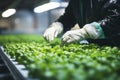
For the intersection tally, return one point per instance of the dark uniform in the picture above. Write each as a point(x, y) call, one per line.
point(105, 12)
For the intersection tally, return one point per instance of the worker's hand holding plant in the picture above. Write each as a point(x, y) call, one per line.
point(53, 31)
point(92, 31)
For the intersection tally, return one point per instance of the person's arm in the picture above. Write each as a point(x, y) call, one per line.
point(111, 23)
point(68, 19)
point(64, 23)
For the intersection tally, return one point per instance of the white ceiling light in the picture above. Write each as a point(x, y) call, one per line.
point(8, 12)
point(46, 7)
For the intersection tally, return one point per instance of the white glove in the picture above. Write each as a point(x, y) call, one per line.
point(88, 31)
point(53, 31)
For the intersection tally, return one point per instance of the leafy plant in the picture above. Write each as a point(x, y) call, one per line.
point(51, 61)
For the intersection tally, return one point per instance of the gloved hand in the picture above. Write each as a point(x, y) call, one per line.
point(88, 31)
point(53, 31)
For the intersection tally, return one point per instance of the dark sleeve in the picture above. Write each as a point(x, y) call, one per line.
point(67, 19)
point(111, 23)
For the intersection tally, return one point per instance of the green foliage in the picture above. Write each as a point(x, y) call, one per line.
point(51, 61)
point(20, 38)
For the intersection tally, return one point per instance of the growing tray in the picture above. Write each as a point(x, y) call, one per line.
point(18, 71)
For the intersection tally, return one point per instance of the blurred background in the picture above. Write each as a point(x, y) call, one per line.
point(29, 16)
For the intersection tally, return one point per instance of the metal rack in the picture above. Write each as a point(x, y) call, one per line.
point(4, 72)
point(17, 71)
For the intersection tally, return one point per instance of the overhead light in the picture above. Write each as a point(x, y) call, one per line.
point(8, 12)
point(46, 7)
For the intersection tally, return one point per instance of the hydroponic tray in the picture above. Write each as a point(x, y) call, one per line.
point(18, 71)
